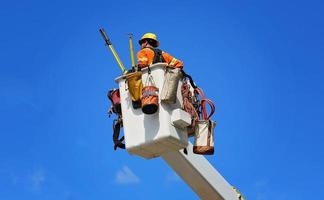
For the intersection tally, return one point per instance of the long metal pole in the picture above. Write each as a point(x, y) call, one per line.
point(131, 49)
point(109, 44)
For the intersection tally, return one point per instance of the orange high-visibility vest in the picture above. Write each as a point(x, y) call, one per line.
point(145, 58)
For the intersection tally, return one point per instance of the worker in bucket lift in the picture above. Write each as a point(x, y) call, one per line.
point(150, 54)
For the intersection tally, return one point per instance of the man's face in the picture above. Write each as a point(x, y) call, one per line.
point(144, 43)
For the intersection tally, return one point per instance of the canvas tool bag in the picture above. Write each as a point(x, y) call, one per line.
point(204, 137)
point(150, 95)
point(204, 130)
point(170, 85)
point(135, 85)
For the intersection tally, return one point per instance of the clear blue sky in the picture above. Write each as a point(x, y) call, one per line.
point(260, 61)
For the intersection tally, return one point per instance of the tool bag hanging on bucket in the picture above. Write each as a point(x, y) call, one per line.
point(135, 85)
point(170, 85)
point(150, 95)
point(204, 138)
point(114, 96)
point(204, 130)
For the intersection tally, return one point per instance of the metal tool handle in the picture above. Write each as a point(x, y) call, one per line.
point(131, 49)
point(105, 36)
point(110, 46)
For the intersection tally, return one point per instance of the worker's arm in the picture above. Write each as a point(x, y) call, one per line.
point(145, 57)
point(172, 61)
point(142, 59)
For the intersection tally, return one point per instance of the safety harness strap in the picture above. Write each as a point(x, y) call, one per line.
point(192, 83)
point(158, 56)
point(203, 100)
point(199, 93)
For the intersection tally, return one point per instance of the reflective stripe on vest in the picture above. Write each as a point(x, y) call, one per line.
point(143, 59)
point(173, 61)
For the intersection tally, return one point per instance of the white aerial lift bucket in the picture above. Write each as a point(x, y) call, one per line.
point(152, 135)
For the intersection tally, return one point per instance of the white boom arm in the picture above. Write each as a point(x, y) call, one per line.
point(200, 175)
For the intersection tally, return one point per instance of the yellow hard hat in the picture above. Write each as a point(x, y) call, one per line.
point(151, 36)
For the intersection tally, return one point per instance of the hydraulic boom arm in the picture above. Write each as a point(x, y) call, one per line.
point(200, 175)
